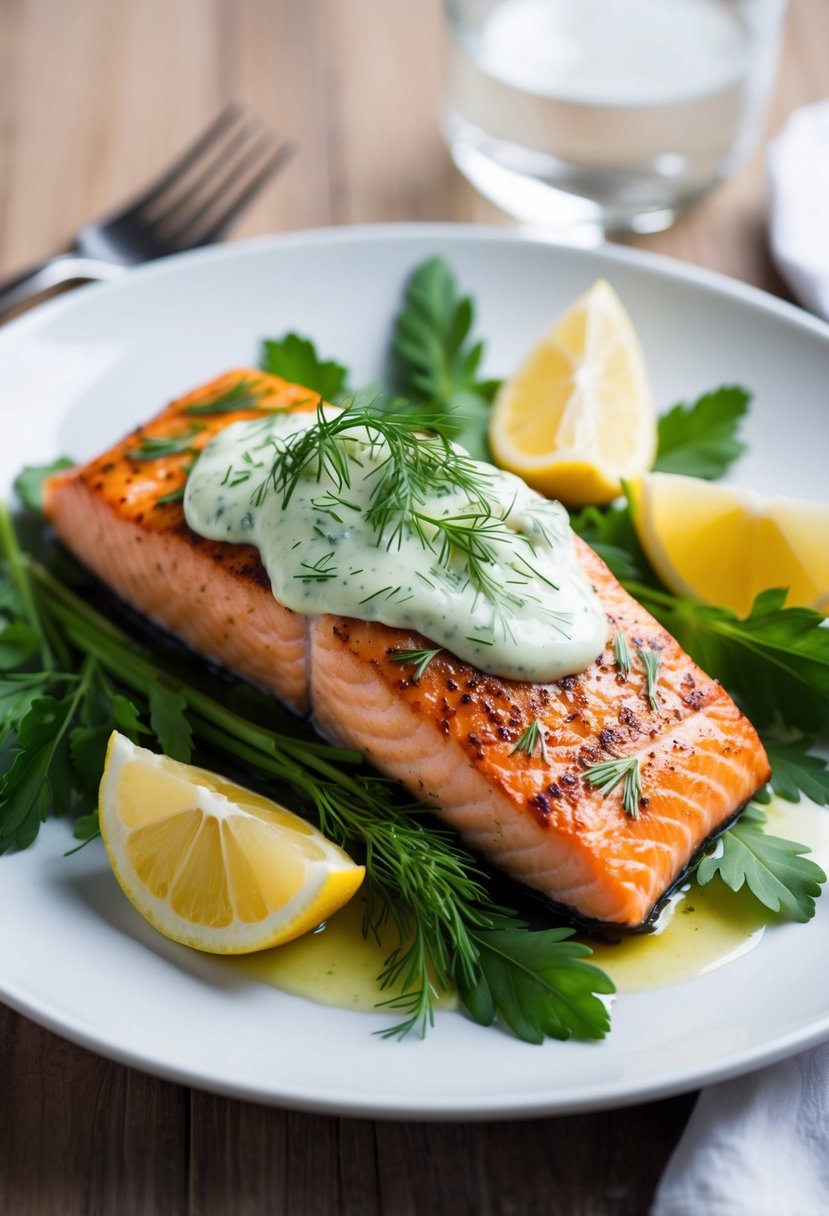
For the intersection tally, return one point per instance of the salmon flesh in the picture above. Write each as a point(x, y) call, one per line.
point(450, 737)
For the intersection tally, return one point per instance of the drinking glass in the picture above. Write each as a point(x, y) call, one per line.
point(621, 112)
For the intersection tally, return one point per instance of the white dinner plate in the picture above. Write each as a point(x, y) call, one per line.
point(75, 374)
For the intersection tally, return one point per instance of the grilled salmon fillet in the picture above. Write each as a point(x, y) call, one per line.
point(449, 737)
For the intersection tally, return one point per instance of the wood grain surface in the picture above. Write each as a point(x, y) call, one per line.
point(95, 95)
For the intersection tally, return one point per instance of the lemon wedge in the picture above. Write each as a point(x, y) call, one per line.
point(213, 865)
point(577, 417)
point(723, 545)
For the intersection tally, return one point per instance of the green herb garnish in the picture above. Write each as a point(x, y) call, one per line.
point(154, 447)
point(436, 364)
point(651, 660)
point(30, 481)
point(542, 979)
point(607, 775)
point(320, 571)
point(244, 395)
point(411, 468)
point(420, 658)
point(796, 770)
point(611, 534)
point(621, 652)
point(775, 660)
point(295, 359)
point(532, 737)
point(700, 440)
point(773, 869)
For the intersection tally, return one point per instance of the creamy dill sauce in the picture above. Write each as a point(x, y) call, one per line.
point(537, 618)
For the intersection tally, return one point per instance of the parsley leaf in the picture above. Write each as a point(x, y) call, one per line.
point(30, 481)
point(700, 440)
point(86, 828)
point(28, 791)
point(611, 534)
point(773, 869)
point(295, 359)
point(436, 363)
point(18, 643)
point(775, 660)
point(537, 983)
point(169, 722)
point(795, 769)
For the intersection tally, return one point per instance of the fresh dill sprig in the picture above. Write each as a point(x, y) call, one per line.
point(472, 537)
point(651, 661)
point(607, 775)
point(421, 659)
point(533, 737)
point(408, 463)
point(176, 495)
point(321, 571)
point(246, 394)
point(154, 447)
point(415, 466)
point(621, 651)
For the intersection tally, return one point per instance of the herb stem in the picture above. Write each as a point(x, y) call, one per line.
point(19, 576)
point(97, 636)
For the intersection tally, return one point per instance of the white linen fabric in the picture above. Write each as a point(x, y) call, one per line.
point(798, 162)
point(755, 1146)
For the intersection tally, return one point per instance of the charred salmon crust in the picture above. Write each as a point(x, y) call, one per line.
point(119, 516)
point(450, 737)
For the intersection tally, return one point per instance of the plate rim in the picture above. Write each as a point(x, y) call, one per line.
point(661, 264)
point(626, 1092)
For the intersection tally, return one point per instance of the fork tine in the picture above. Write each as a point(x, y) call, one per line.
point(232, 147)
point(226, 201)
point(270, 168)
point(188, 158)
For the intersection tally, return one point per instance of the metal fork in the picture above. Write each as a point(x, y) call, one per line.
point(193, 203)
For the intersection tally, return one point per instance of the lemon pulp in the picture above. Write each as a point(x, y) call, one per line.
point(723, 545)
point(577, 417)
point(212, 864)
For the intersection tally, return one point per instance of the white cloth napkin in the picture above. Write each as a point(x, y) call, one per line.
point(755, 1146)
point(798, 162)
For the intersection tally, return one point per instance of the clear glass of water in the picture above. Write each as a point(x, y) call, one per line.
point(616, 112)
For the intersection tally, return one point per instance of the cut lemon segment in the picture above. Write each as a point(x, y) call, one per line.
point(212, 864)
point(723, 545)
point(578, 417)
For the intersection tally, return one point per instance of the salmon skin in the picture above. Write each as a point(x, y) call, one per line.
point(450, 737)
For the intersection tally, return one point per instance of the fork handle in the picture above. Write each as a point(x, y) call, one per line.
point(64, 268)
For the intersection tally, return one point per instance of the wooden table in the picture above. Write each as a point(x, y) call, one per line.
point(94, 96)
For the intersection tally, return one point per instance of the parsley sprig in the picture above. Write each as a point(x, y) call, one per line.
point(701, 440)
point(773, 869)
point(437, 364)
point(295, 358)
